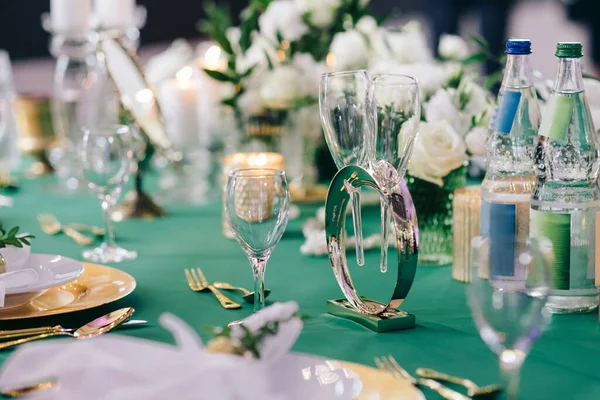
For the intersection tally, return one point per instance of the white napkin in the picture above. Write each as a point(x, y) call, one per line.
point(315, 243)
point(121, 368)
point(2, 293)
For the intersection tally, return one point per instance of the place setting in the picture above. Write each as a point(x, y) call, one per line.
point(426, 203)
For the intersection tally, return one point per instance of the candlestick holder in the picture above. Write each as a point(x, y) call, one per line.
point(379, 316)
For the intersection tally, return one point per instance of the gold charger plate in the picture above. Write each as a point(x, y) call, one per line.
point(381, 385)
point(97, 286)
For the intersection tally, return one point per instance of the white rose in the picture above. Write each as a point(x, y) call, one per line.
point(453, 47)
point(438, 150)
point(350, 50)
point(429, 76)
point(251, 102)
point(479, 98)
point(443, 107)
point(476, 139)
point(407, 46)
point(256, 55)
point(367, 25)
point(281, 87)
point(592, 92)
point(321, 13)
point(309, 72)
point(285, 17)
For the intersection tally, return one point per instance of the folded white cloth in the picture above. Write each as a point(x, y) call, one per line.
point(2, 293)
point(315, 243)
point(121, 368)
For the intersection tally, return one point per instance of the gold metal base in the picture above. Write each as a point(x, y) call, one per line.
point(138, 205)
point(40, 167)
point(390, 321)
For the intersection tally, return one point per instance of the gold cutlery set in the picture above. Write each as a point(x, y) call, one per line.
point(429, 378)
point(52, 226)
point(198, 283)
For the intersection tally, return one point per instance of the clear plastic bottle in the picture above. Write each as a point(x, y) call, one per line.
point(565, 202)
point(510, 177)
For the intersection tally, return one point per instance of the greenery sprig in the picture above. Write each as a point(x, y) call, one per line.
point(10, 238)
point(251, 341)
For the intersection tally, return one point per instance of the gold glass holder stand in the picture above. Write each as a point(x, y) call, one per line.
point(372, 314)
point(137, 204)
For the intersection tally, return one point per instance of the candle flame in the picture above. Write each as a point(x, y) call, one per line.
point(184, 74)
point(144, 96)
point(257, 160)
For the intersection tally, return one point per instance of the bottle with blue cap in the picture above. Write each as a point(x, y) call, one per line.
point(565, 204)
point(510, 177)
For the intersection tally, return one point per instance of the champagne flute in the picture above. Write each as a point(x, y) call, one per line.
point(106, 159)
point(508, 302)
point(257, 208)
point(344, 108)
point(396, 114)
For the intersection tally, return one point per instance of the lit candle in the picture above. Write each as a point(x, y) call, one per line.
point(465, 226)
point(179, 102)
point(70, 16)
point(213, 91)
point(247, 160)
point(114, 13)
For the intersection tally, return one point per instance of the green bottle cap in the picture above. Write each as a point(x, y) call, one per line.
point(569, 50)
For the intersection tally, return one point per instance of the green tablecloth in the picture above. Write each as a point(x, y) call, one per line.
point(564, 363)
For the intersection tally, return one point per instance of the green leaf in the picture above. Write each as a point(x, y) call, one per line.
point(480, 41)
point(13, 231)
point(248, 25)
point(475, 59)
point(219, 76)
point(269, 62)
point(492, 79)
point(23, 240)
point(248, 72)
point(231, 101)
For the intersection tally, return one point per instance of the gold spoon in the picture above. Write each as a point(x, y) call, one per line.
point(26, 390)
point(248, 295)
point(473, 390)
point(94, 328)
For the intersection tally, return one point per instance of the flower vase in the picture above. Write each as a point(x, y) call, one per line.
point(434, 213)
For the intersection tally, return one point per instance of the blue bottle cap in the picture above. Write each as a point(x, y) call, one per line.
point(518, 46)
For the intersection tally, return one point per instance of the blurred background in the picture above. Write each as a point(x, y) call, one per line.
point(543, 21)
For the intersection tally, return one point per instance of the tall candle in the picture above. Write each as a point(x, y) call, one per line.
point(70, 16)
point(114, 13)
point(211, 58)
point(179, 101)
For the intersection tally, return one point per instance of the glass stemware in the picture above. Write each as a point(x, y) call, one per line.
point(257, 208)
point(508, 302)
point(107, 157)
point(396, 114)
point(344, 105)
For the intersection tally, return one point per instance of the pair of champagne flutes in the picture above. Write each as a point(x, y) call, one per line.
point(370, 122)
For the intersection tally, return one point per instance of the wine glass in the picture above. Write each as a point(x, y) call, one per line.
point(344, 107)
point(106, 159)
point(507, 301)
point(257, 208)
point(397, 111)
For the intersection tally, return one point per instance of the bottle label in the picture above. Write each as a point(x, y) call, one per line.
point(505, 113)
point(557, 116)
point(574, 239)
point(505, 225)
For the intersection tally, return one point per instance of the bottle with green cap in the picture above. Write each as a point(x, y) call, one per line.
point(565, 204)
point(510, 177)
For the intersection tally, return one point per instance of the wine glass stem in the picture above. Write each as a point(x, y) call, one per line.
point(357, 219)
point(510, 372)
point(385, 232)
point(258, 268)
point(109, 235)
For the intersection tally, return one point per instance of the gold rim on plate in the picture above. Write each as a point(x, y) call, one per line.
point(97, 286)
point(378, 384)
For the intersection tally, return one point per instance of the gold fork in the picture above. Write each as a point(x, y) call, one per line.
point(51, 226)
point(198, 283)
point(390, 365)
